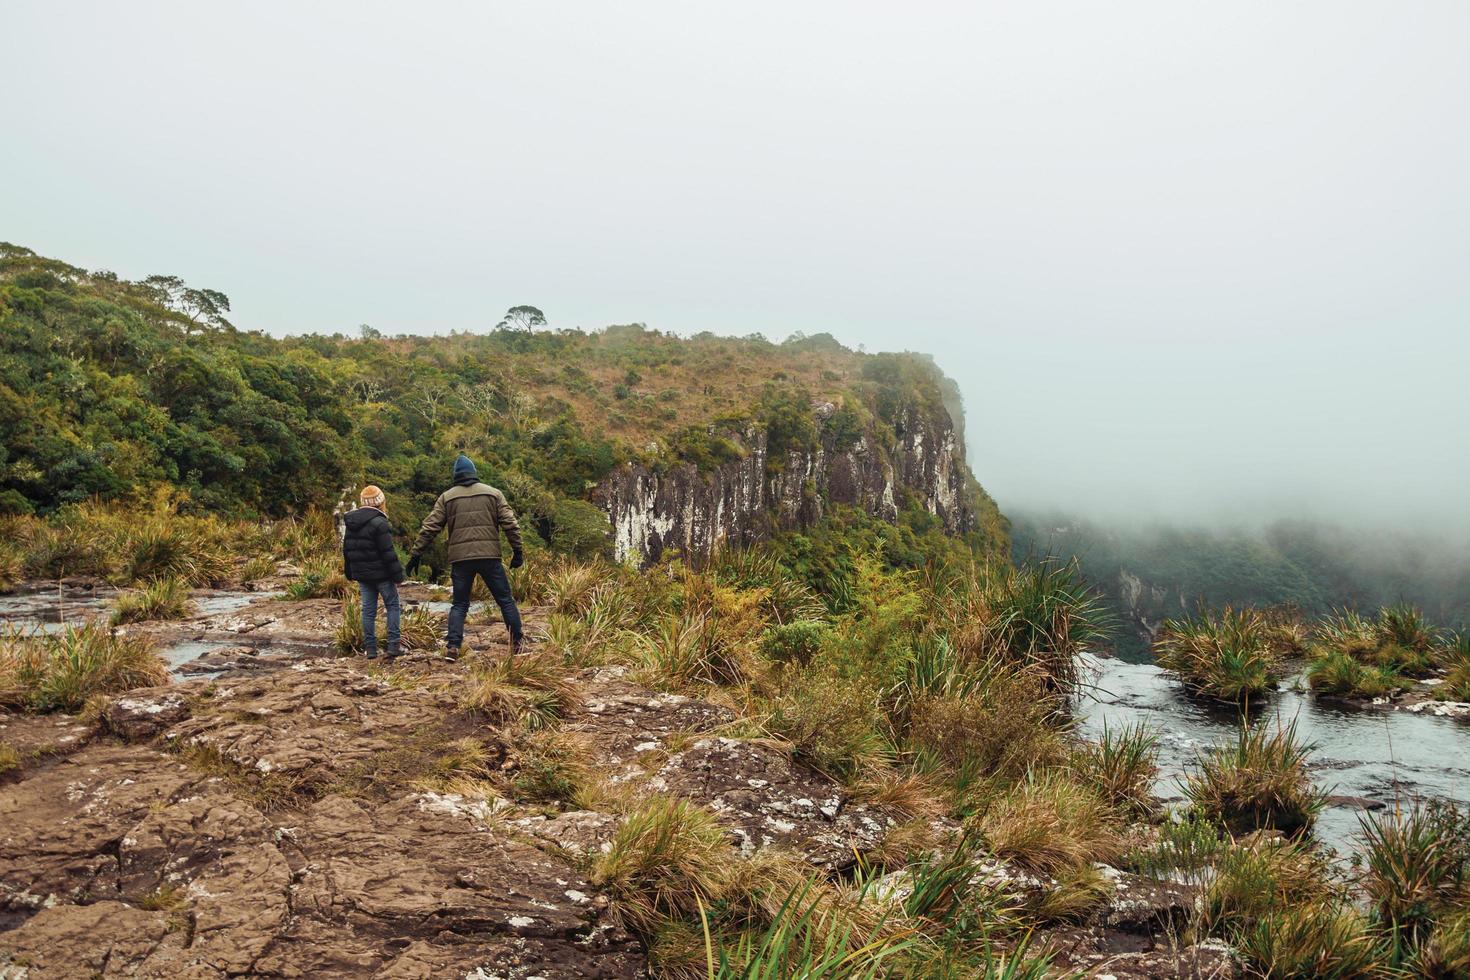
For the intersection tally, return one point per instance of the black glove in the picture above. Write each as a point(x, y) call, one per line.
point(412, 566)
point(517, 559)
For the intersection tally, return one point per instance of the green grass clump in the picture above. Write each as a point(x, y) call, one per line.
point(165, 598)
point(1328, 938)
point(12, 569)
point(9, 758)
point(63, 671)
point(1259, 781)
point(1228, 656)
point(257, 568)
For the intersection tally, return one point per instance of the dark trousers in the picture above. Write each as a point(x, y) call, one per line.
point(463, 573)
point(370, 592)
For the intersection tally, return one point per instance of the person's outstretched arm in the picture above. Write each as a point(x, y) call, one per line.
point(432, 525)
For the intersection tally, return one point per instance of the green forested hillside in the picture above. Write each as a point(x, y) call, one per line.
point(109, 388)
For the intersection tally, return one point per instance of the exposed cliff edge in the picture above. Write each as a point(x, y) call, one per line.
point(743, 501)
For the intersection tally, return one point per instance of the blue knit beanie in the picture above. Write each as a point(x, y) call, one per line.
point(464, 469)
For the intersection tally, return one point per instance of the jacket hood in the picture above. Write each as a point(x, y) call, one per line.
point(357, 518)
point(464, 470)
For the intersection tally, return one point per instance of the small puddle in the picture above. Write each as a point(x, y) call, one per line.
point(1377, 754)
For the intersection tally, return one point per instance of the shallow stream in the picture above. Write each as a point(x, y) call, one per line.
point(1376, 754)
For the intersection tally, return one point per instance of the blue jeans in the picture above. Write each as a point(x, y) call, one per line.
point(462, 574)
point(370, 592)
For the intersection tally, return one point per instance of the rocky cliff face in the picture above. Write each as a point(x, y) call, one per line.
point(743, 502)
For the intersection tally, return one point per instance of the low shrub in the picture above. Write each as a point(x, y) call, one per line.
point(794, 642)
point(834, 723)
point(551, 766)
point(1252, 881)
point(1260, 781)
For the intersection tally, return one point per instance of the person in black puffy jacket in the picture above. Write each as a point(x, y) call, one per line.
point(371, 562)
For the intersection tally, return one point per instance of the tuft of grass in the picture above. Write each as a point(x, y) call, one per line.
point(63, 671)
point(1446, 952)
point(1338, 673)
point(1328, 939)
point(1229, 656)
point(570, 588)
point(1416, 865)
point(419, 629)
point(461, 767)
point(1051, 824)
point(165, 598)
point(12, 568)
point(1456, 686)
point(349, 636)
point(1260, 781)
point(9, 758)
point(531, 689)
point(670, 858)
point(1251, 882)
point(319, 581)
point(682, 649)
point(1121, 766)
point(257, 568)
point(551, 766)
point(833, 722)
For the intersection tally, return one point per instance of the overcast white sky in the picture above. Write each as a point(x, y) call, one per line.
point(1183, 258)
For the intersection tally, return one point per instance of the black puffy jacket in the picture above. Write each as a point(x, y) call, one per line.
point(367, 547)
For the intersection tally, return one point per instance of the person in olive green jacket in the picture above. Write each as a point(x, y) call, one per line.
point(476, 514)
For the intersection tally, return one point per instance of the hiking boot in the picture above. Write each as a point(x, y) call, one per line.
point(394, 651)
point(451, 653)
point(371, 653)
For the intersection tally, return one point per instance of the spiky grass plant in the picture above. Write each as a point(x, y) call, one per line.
point(833, 722)
point(532, 689)
point(1051, 824)
point(1228, 656)
point(1121, 766)
point(571, 587)
point(165, 598)
point(551, 766)
point(690, 647)
point(1446, 952)
point(670, 858)
point(462, 767)
point(9, 758)
point(785, 599)
point(63, 671)
point(1259, 781)
point(1327, 938)
point(1395, 646)
point(1416, 865)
